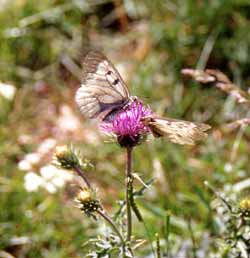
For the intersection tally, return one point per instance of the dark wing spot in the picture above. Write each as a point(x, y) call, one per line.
point(109, 73)
point(116, 81)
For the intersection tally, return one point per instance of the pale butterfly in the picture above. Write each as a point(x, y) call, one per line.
point(177, 131)
point(103, 93)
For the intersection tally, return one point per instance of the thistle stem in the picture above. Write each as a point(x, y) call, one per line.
point(114, 227)
point(129, 191)
point(80, 172)
point(111, 223)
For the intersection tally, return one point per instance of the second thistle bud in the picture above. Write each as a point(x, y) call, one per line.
point(87, 201)
point(245, 207)
point(65, 157)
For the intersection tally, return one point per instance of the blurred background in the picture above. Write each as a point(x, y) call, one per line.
point(41, 46)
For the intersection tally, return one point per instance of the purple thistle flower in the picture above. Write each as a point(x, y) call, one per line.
point(127, 124)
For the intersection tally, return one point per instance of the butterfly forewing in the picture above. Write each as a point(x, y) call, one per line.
point(177, 131)
point(102, 89)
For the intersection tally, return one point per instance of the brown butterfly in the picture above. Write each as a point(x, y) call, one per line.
point(103, 92)
point(177, 131)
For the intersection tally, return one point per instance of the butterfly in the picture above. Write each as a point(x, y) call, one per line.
point(177, 131)
point(103, 92)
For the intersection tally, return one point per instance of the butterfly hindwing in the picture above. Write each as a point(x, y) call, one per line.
point(102, 88)
point(177, 131)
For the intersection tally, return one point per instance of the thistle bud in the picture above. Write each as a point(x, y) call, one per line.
point(245, 204)
point(87, 201)
point(84, 196)
point(61, 151)
point(66, 157)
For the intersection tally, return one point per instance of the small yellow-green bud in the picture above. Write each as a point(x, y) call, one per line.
point(84, 195)
point(65, 157)
point(87, 202)
point(61, 151)
point(245, 204)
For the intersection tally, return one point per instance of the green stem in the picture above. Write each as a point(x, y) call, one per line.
point(114, 227)
point(167, 232)
point(219, 196)
point(158, 248)
point(129, 191)
point(192, 238)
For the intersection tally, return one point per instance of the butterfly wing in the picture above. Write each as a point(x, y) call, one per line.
point(177, 131)
point(102, 89)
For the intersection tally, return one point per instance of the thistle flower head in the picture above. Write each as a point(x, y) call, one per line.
point(127, 124)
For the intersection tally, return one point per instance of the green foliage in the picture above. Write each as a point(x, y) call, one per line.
point(35, 38)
